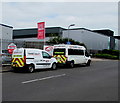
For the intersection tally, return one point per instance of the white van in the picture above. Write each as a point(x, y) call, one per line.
point(71, 54)
point(31, 59)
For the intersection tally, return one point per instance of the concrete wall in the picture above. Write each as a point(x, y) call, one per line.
point(0, 39)
point(7, 32)
point(93, 41)
point(117, 44)
point(6, 36)
point(33, 39)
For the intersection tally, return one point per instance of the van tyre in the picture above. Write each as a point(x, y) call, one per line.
point(88, 63)
point(71, 64)
point(15, 70)
point(54, 66)
point(31, 68)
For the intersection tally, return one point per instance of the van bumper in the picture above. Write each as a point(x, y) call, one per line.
point(66, 63)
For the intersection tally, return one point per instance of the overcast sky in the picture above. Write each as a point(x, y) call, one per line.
point(89, 15)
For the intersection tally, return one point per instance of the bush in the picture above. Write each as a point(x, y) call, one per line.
point(107, 56)
point(111, 52)
point(59, 40)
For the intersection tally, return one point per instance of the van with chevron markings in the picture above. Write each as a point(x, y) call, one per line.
point(31, 59)
point(71, 54)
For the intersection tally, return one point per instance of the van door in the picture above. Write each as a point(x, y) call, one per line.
point(18, 59)
point(46, 61)
point(38, 60)
point(87, 56)
point(60, 55)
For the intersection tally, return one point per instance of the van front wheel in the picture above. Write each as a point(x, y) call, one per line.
point(54, 66)
point(88, 63)
point(30, 68)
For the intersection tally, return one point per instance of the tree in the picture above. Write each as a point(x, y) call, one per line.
point(60, 40)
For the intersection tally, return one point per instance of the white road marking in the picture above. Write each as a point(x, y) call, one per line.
point(34, 80)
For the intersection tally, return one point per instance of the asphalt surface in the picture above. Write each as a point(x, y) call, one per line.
point(99, 82)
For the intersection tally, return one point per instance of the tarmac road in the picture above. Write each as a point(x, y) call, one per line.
point(99, 82)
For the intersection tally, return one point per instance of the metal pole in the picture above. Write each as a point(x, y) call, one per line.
point(68, 33)
point(68, 30)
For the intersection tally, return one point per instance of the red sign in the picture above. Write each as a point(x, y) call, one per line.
point(11, 47)
point(41, 30)
point(49, 48)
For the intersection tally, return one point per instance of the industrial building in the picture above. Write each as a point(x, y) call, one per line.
point(28, 37)
point(31, 33)
point(117, 42)
point(93, 39)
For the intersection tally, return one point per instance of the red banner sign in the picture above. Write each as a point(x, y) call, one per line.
point(41, 30)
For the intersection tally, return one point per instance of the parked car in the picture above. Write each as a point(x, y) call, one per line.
point(6, 58)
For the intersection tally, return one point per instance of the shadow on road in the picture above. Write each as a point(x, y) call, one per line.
point(44, 70)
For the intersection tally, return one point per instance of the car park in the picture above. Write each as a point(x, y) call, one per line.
point(6, 58)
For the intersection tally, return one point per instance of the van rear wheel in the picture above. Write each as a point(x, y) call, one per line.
point(15, 70)
point(30, 68)
point(71, 64)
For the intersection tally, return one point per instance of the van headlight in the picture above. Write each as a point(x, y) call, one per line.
point(58, 58)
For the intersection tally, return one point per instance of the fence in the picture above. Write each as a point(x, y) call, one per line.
point(20, 44)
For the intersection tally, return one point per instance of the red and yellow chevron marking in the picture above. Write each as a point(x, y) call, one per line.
point(60, 58)
point(18, 62)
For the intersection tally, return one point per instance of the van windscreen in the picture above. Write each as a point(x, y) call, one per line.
point(59, 51)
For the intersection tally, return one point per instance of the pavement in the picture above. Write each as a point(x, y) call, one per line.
point(7, 67)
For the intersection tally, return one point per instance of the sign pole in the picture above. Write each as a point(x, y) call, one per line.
point(44, 41)
point(44, 33)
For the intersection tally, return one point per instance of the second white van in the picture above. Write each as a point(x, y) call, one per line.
point(71, 54)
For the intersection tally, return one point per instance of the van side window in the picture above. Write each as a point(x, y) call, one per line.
point(80, 52)
point(75, 52)
point(45, 55)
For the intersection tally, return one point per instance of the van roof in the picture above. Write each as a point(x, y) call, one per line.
point(70, 46)
point(29, 48)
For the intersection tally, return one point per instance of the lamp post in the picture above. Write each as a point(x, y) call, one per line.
point(68, 30)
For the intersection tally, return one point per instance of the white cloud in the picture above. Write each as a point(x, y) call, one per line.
point(92, 15)
point(60, 0)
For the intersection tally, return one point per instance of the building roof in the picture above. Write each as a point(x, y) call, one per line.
point(117, 37)
point(6, 26)
point(81, 29)
point(32, 32)
point(104, 32)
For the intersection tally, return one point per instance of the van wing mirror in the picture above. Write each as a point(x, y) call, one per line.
point(50, 56)
point(87, 54)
